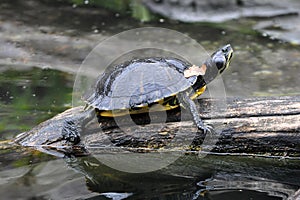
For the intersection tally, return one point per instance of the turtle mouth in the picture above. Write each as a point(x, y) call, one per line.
point(229, 59)
point(230, 56)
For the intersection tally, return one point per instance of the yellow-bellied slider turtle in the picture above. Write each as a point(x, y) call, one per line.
point(138, 85)
point(128, 89)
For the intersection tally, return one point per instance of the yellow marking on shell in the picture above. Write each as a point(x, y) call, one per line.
point(198, 92)
point(117, 113)
point(109, 113)
point(161, 106)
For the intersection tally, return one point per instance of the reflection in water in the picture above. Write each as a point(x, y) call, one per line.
point(188, 178)
point(194, 178)
point(102, 179)
point(228, 183)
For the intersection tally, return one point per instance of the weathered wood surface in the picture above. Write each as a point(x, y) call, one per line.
point(268, 126)
point(260, 125)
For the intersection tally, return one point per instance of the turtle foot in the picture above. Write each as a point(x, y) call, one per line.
point(70, 132)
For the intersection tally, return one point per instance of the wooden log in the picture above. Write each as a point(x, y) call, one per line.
point(268, 126)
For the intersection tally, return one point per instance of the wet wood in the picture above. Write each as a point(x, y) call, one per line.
point(268, 126)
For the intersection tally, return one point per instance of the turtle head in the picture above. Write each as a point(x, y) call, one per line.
point(221, 58)
point(212, 67)
point(217, 63)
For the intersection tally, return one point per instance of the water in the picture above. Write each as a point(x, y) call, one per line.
point(42, 177)
point(38, 66)
point(31, 96)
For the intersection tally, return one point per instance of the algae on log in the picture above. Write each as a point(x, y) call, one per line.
point(268, 126)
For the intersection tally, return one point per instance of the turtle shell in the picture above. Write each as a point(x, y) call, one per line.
point(140, 82)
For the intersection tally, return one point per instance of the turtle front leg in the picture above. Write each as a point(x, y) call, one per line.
point(190, 105)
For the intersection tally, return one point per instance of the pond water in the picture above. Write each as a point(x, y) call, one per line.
point(39, 55)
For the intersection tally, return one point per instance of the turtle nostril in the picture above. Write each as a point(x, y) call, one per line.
point(230, 56)
point(226, 48)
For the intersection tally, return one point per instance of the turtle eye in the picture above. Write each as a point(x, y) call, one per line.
point(220, 62)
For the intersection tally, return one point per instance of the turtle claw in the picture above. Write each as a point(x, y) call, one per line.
point(209, 129)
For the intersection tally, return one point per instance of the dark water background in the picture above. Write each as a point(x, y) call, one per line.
point(43, 45)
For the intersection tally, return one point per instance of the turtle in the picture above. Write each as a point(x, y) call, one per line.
point(154, 84)
point(175, 83)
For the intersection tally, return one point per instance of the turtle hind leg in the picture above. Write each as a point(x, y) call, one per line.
point(70, 132)
point(190, 105)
